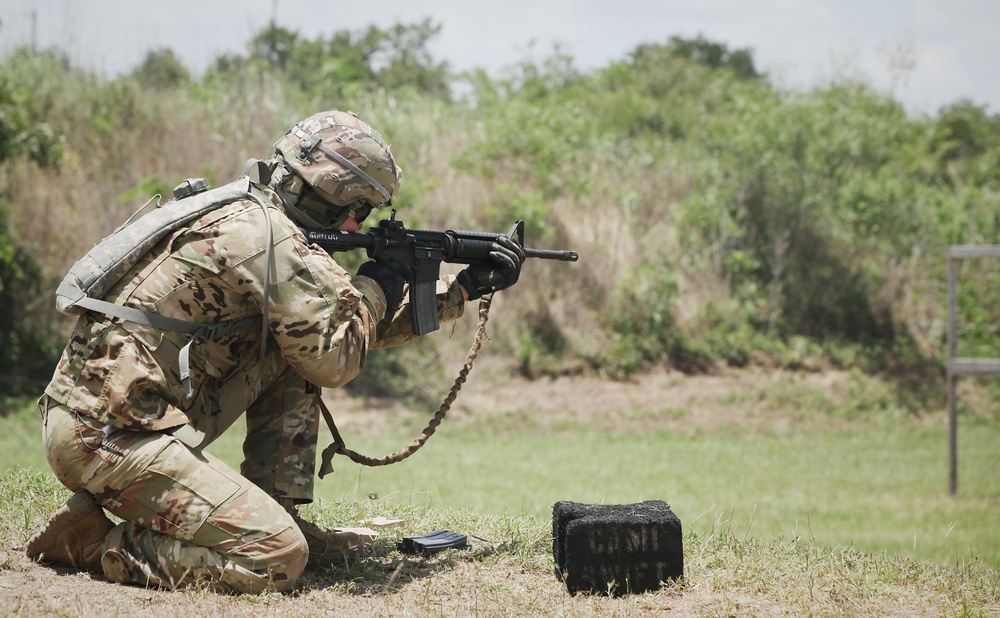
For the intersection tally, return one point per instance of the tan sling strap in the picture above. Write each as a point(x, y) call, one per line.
point(339, 446)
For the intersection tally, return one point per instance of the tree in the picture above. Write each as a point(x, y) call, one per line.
point(350, 61)
point(161, 70)
point(965, 145)
point(274, 44)
point(702, 51)
point(403, 60)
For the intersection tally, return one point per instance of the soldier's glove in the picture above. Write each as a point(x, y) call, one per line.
point(506, 256)
point(390, 276)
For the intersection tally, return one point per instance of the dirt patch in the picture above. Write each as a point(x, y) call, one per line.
point(745, 400)
point(457, 586)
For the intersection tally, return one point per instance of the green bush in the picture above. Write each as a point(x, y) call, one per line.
point(27, 353)
point(641, 324)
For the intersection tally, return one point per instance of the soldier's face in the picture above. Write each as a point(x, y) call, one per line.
point(351, 225)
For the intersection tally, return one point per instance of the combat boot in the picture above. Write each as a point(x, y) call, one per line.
point(73, 535)
point(326, 545)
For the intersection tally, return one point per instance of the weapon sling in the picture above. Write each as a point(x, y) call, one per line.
point(339, 446)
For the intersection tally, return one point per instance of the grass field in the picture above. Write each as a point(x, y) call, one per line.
point(507, 572)
point(878, 484)
point(880, 491)
point(792, 502)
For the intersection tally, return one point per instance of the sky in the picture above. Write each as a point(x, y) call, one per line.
point(924, 53)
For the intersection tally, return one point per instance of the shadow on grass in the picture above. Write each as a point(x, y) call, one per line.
point(383, 570)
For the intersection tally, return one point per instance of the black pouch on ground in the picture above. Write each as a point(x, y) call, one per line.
point(432, 542)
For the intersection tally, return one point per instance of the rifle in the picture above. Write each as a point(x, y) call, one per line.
point(421, 252)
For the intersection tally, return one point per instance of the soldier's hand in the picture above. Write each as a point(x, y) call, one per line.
point(390, 277)
point(506, 258)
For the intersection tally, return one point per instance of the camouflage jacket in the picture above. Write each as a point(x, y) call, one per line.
point(320, 319)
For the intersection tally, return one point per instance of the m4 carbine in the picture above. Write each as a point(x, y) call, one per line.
point(421, 252)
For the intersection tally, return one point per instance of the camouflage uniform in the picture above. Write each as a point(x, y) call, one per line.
point(116, 398)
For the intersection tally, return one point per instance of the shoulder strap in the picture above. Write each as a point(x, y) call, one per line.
point(104, 265)
point(162, 322)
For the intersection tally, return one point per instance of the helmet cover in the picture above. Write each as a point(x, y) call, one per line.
point(344, 162)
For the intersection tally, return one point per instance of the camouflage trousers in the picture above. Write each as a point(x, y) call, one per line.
point(282, 421)
point(191, 519)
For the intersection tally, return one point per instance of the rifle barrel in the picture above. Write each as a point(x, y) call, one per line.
point(549, 254)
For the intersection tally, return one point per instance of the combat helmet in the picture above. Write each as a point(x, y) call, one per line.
point(333, 165)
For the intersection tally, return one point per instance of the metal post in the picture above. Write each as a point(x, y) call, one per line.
point(962, 366)
point(952, 352)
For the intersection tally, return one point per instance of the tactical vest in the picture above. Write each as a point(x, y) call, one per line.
point(84, 286)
